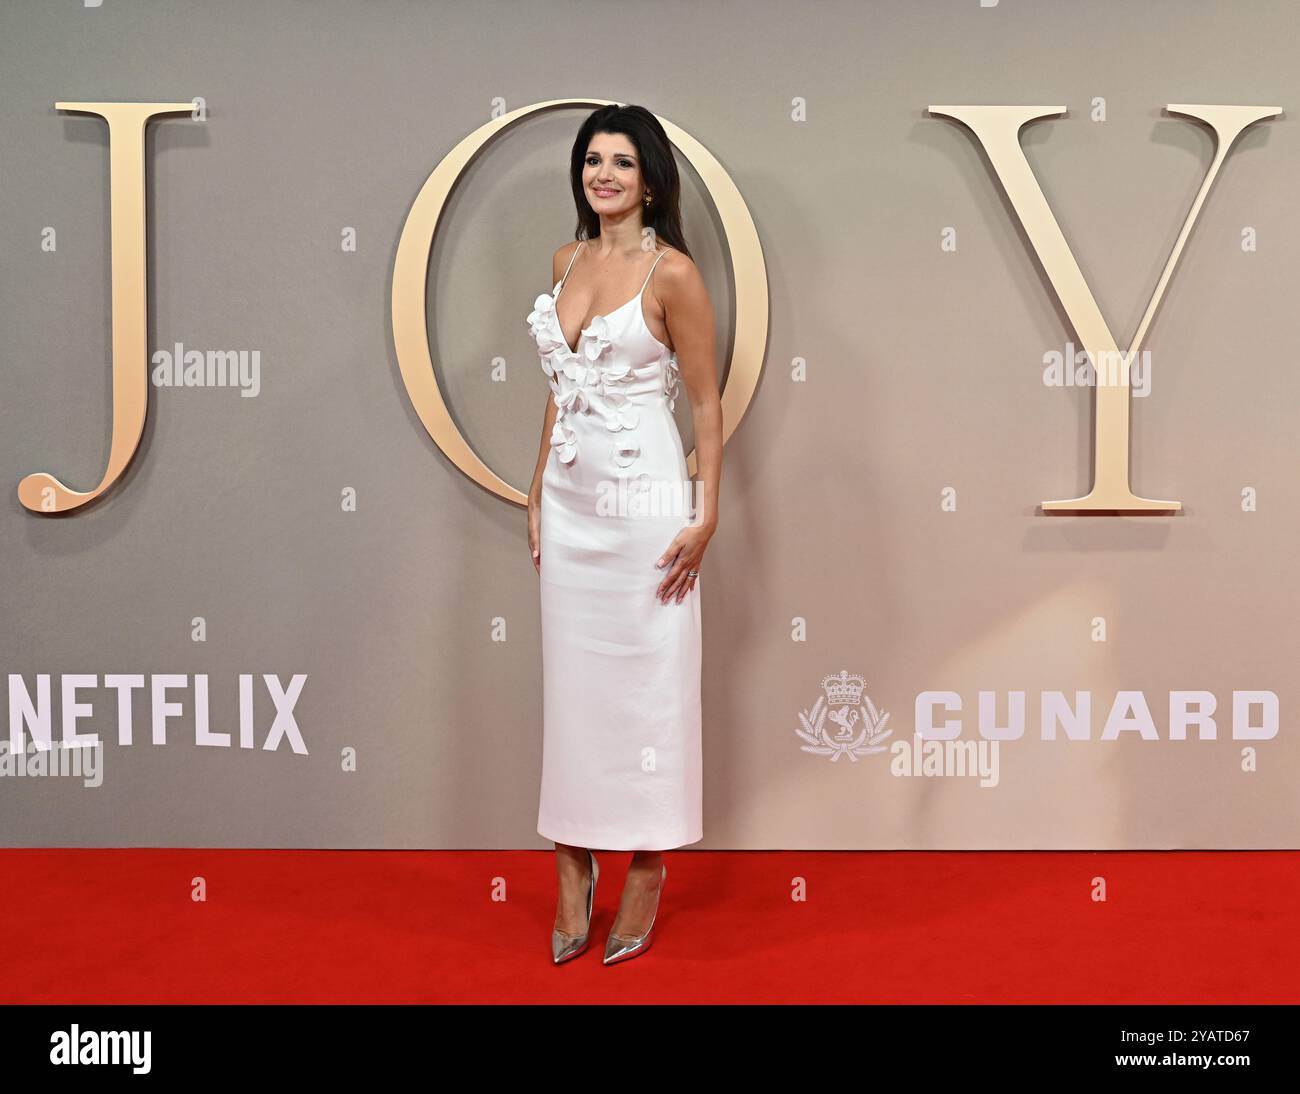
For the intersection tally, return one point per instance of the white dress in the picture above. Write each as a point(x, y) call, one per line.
point(621, 753)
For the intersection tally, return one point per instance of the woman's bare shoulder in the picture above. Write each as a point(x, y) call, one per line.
point(676, 270)
point(560, 259)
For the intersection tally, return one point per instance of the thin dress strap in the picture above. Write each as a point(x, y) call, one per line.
point(565, 278)
point(652, 270)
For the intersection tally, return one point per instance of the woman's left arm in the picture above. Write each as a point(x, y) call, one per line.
point(688, 314)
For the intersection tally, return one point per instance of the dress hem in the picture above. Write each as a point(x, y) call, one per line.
point(603, 843)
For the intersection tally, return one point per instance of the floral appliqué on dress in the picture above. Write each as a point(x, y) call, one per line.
point(595, 378)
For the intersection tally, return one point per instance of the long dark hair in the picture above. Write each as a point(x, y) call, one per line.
point(658, 171)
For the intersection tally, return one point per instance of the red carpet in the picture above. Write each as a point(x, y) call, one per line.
point(119, 926)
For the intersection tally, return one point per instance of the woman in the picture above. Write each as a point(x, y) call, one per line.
point(617, 529)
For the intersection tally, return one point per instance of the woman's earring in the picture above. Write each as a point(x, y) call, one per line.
point(647, 197)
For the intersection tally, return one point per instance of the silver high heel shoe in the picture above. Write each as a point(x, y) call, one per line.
point(621, 949)
point(564, 947)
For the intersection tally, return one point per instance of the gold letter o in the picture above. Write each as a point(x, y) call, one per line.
point(411, 273)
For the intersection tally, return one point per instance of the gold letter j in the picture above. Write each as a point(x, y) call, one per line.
point(41, 492)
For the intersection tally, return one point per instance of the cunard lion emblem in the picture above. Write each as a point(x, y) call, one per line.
point(861, 726)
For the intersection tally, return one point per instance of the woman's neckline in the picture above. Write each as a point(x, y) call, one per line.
point(555, 307)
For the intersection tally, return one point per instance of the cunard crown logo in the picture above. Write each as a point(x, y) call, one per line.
point(844, 690)
point(847, 704)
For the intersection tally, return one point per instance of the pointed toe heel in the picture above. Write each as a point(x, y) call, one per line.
point(623, 949)
point(566, 947)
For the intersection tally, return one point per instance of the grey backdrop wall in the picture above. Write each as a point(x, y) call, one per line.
point(924, 374)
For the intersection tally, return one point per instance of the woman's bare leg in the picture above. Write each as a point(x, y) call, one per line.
point(573, 872)
point(637, 906)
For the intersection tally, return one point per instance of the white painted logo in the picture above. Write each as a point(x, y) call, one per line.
point(861, 727)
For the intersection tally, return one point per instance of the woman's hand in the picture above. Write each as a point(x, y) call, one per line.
point(683, 554)
point(535, 532)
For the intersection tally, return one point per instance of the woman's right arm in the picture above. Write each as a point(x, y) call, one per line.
point(535, 490)
point(544, 452)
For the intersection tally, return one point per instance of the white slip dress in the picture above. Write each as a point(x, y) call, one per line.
point(621, 755)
